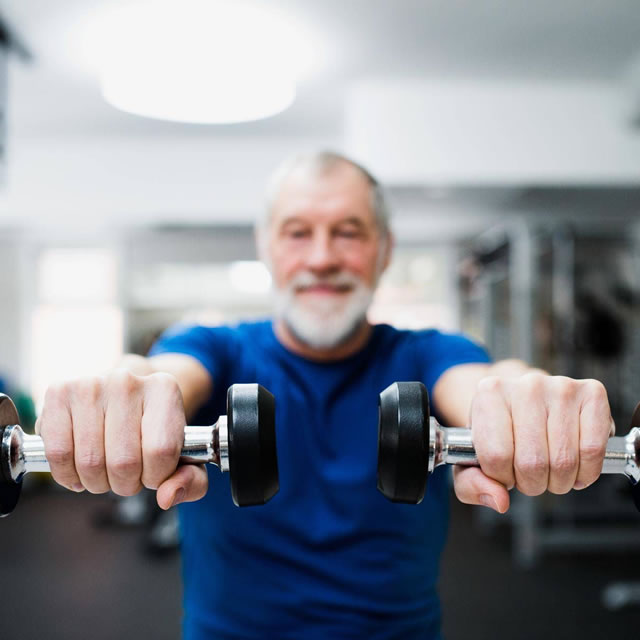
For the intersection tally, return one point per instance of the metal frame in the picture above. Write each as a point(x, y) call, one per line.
point(512, 255)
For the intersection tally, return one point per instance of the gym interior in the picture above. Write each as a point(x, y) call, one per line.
point(506, 136)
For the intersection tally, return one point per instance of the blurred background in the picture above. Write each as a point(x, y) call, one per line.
point(136, 139)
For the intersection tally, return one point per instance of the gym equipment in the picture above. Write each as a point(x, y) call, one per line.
point(243, 443)
point(411, 444)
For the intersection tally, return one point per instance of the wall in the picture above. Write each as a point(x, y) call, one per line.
point(493, 133)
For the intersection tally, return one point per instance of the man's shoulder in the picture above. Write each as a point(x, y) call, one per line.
point(239, 329)
point(432, 341)
point(426, 335)
point(212, 337)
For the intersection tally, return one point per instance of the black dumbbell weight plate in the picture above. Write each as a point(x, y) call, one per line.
point(253, 463)
point(635, 488)
point(9, 490)
point(403, 442)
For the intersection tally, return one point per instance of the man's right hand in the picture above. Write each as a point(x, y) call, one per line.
point(119, 433)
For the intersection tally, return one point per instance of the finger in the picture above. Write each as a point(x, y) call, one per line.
point(187, 484)
point(57, 434)
point(474, 487)
point(563, 435)
point(493, 432)
point(595, 426)
point(531, 455)
point(163, 424)
point(87, 409)
point(123, 416)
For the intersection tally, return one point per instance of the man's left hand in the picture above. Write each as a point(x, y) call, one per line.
point(536, 433)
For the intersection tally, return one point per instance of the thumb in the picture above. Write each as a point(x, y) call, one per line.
point(473, 487)
point(188, 483)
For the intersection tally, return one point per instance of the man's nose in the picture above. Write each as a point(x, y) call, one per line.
point(322, 255)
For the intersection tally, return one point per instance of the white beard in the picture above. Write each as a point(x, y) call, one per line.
point(323, 323)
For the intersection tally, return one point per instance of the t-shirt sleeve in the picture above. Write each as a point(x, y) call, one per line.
point(211, 346)
point(440, 351)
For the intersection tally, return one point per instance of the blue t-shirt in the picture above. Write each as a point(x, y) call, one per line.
point(328, 556)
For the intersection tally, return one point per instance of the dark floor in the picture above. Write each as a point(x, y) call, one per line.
point(485, 597)
point(61, 578)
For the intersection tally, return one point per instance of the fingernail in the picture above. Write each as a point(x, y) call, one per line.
point(178, 497)
point(489, 501)
point(78, 488)
point(579, 485)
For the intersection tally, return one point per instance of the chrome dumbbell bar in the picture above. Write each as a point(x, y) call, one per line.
point(411, 444)
point(241, 443)
point(23, 453)
point(454, 445)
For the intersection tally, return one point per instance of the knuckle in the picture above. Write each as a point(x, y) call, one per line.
point(124, 382)
point(497, 459)
point(592, 451)
point(88, 391)
point(125, 466)
point(531, 384)
point(163, 380)
point(65, 390)
point(51, 393)
point(595, 389)
point(56, 394)
point(489, 385)
point(166, 385)
point(90, 462)
point(564, 389)
point(164, 452)
point(564, 462)
point(59, 455)
point(533, 467)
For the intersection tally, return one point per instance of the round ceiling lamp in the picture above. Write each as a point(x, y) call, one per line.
point(200, 61)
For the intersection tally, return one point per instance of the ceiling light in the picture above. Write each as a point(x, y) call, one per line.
point(200, 61)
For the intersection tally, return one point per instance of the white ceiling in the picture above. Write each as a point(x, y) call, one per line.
point(576, 40)
point(75, 161)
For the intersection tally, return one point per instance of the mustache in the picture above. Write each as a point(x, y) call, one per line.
point(307, 279)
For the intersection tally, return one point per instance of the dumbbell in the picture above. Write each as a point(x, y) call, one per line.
point(411, 444)
point(243, 443)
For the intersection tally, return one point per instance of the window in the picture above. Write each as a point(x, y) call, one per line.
point(77, 326)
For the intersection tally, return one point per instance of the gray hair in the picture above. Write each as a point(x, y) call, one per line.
point(320, 163)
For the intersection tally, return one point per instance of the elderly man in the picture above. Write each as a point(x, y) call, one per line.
point(328, 557)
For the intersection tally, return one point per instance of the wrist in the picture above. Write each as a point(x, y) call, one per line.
point(138, 365)
point(512, 368)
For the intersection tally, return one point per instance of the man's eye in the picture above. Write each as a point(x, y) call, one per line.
point(348, 233)
point(297, 233)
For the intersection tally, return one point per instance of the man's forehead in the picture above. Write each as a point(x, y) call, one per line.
point(343, 193)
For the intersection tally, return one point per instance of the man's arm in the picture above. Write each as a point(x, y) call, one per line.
point(532, 431)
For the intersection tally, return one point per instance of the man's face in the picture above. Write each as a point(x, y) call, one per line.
point(326, 254)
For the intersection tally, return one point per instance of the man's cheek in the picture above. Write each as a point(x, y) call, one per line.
point(282, 275)
point(287, 267)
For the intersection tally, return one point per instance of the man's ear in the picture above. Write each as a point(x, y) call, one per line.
point(261, 237)
point(389, 243)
